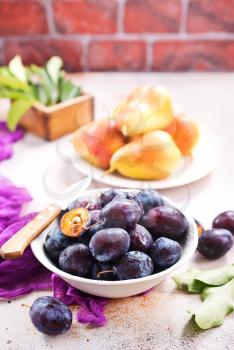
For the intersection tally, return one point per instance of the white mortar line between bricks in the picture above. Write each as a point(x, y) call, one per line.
point(149, 56)
point(148, 37)
point(2, 53)
point(85, 48)
point(50, 16)
point(184, 16)
point(120, 16)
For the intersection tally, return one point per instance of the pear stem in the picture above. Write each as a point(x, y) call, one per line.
point(109, 171)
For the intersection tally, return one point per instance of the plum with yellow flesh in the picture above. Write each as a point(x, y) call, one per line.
point(74, 222)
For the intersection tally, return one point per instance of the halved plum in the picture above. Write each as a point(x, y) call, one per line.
point(74, 222)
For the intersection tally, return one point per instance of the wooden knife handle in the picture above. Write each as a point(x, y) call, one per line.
point(16, 245)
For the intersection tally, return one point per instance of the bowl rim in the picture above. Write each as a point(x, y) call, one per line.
point(193, 241)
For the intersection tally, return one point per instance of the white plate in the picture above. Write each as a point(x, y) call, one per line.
point(191, 169)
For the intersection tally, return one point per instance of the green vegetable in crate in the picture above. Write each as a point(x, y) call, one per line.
point(25, 86)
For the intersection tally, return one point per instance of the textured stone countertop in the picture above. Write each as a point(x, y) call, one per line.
point(158, 320)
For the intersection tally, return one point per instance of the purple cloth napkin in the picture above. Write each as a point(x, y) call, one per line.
point(7, 138)
point(12, 199)
point(21, 276)
point(24, 275)
point(91, 309)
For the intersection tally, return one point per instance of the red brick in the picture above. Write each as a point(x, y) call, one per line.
point(193, 56)
point(152, 16)
point(117, 55)
point(211, 15)
point(22, 17)
point(86, 16)
point(39, 51)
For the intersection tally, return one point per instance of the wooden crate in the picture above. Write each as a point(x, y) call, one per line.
point(53, 122)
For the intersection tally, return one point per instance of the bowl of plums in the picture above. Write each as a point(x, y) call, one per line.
point(117, 243)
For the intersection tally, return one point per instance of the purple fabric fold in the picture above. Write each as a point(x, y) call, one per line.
point(91, 310)
point(24, 275)
point(12, 199)
point(7, 138)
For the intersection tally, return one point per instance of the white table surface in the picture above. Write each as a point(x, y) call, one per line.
point(159, 320)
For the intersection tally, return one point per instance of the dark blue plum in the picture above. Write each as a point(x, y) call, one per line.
point(109, 244)
point(150, 199)
point(88, 203)
point(107, 196)
point(76, 259)
point(225, 220)
point(166, 222)
point(97, 227)
point(165, 252)
point(85, 237)
point(133, 265)
point(56, 242)
point(215, 243)
point(133, 197)
point(121, 212)
point(141, 239)
point(50, 316)
point(95, 216)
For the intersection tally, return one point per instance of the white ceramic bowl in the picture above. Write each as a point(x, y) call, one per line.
point(118, 289)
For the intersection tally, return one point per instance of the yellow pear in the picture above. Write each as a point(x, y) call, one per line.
point(147, 108)
point(152, 156)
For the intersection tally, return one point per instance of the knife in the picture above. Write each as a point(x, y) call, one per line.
point(16, 245)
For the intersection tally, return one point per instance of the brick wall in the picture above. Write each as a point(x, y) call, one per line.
point(134, 35)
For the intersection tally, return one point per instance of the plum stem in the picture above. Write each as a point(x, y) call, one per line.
point(88, 227)
point(26, 305)
point(102, 272)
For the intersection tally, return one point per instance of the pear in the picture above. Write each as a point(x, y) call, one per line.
point(97, 141)
point(152, 156)
point(185, 133)
point(147, 108)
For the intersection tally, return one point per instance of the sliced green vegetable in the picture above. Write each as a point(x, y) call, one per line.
point(195, 280)
point(217, 303)
point(53, 67)
point(17, 69)
point(187, 281)
point(17, 110)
